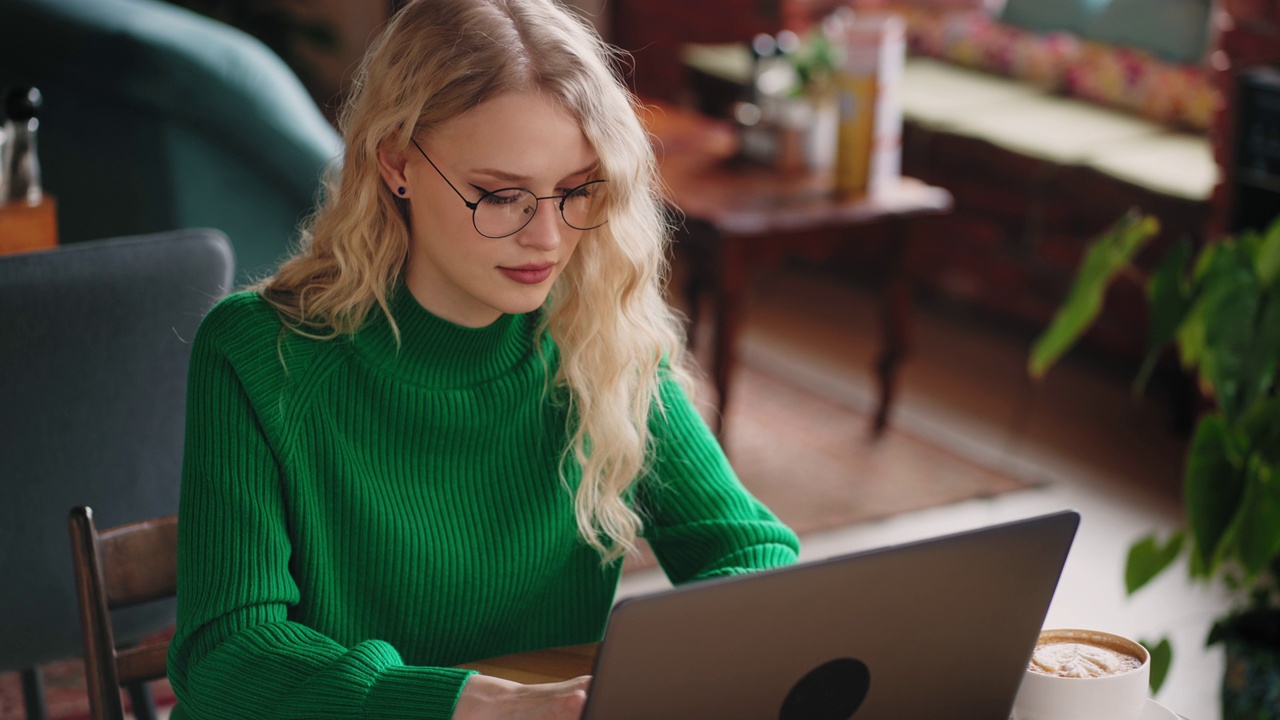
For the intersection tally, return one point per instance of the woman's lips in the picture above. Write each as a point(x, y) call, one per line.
point(528, 274)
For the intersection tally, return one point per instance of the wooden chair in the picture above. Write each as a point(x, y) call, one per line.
point(116, 568)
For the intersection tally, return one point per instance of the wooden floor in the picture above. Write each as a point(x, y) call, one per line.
point(1079, 432)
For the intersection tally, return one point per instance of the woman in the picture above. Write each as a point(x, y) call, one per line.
point(431, 437)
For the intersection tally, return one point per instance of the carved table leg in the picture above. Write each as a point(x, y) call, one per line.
point(696, 243)
point(895, 320)
point(730, 284)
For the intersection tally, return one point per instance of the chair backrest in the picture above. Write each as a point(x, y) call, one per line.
point(158, 118)
point(119, 568)
point(95, 340)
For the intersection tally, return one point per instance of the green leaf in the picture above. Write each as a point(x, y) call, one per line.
point(1258, 534)
point(1231, 297)
point(1261, 426)
point(1148, 558)
point(1269, 255)
point(1256, 370)
point(1207, 257)
point(1169, 300)
point(1213, 489)
point(1190, 336)
point(1105, 258)
point(1161, 659)
point(1251, 242)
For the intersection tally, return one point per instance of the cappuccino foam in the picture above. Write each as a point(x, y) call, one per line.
point(1081, 660)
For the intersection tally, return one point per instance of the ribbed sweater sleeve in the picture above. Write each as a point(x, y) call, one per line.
point(236, 654)
point(698, 518)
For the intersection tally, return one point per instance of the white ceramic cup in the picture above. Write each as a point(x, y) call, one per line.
point(1119, 696)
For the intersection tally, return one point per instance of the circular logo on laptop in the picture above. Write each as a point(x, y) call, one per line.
point(832, 691)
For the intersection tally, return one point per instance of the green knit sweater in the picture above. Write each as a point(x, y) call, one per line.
point(356, 518)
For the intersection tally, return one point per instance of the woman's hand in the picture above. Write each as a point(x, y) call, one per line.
point(485, 698)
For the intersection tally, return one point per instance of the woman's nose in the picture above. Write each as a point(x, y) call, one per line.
point(543, 231)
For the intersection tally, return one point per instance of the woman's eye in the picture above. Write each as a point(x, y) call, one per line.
point(502, 198)
point(582, 191)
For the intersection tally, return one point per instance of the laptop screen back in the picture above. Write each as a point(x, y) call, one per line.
point(940, 628)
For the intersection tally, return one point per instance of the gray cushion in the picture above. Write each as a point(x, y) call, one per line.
point(94, 345)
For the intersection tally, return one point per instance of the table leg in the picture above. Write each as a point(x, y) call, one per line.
point(895, 320)
point(699, 277)
point(33, 694)
point(730, 284)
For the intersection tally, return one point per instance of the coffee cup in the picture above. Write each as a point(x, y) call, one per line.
point(1084, 675)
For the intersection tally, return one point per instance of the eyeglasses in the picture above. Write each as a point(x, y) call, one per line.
point(504, 212)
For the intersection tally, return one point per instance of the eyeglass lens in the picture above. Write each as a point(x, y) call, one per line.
point(504, 212)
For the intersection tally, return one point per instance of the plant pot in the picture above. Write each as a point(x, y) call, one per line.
point(1251, 683)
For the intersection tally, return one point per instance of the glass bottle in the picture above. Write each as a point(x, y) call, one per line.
point(21, 163)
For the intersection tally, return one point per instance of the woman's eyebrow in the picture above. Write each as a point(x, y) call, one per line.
point(512, 177)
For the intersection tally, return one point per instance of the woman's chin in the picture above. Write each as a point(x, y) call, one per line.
point(527, 301)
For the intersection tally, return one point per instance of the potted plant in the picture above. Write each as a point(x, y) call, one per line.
point(1218, 307)
point(815, 60)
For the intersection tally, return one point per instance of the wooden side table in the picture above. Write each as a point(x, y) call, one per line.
point(25, 227)
point(740, 218)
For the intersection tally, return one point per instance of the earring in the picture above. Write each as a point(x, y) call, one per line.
point(400, 190)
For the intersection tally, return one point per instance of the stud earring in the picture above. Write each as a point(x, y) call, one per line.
point(400, 190)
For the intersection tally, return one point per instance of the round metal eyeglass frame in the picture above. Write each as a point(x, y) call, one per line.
point(472, 206)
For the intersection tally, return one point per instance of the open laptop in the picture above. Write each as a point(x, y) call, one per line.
point(940, 629)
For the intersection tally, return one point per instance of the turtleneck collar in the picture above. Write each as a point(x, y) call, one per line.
point(436, 353)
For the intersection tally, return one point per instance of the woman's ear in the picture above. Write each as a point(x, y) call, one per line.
point(391, 165)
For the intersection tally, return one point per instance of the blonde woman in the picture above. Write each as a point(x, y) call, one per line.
point(431, 436)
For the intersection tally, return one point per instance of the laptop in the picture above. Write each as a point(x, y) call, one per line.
point(937, 629)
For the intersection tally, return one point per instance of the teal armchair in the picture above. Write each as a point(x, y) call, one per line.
point(157, 118)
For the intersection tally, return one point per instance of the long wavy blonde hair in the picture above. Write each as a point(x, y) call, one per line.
point(615, 333)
